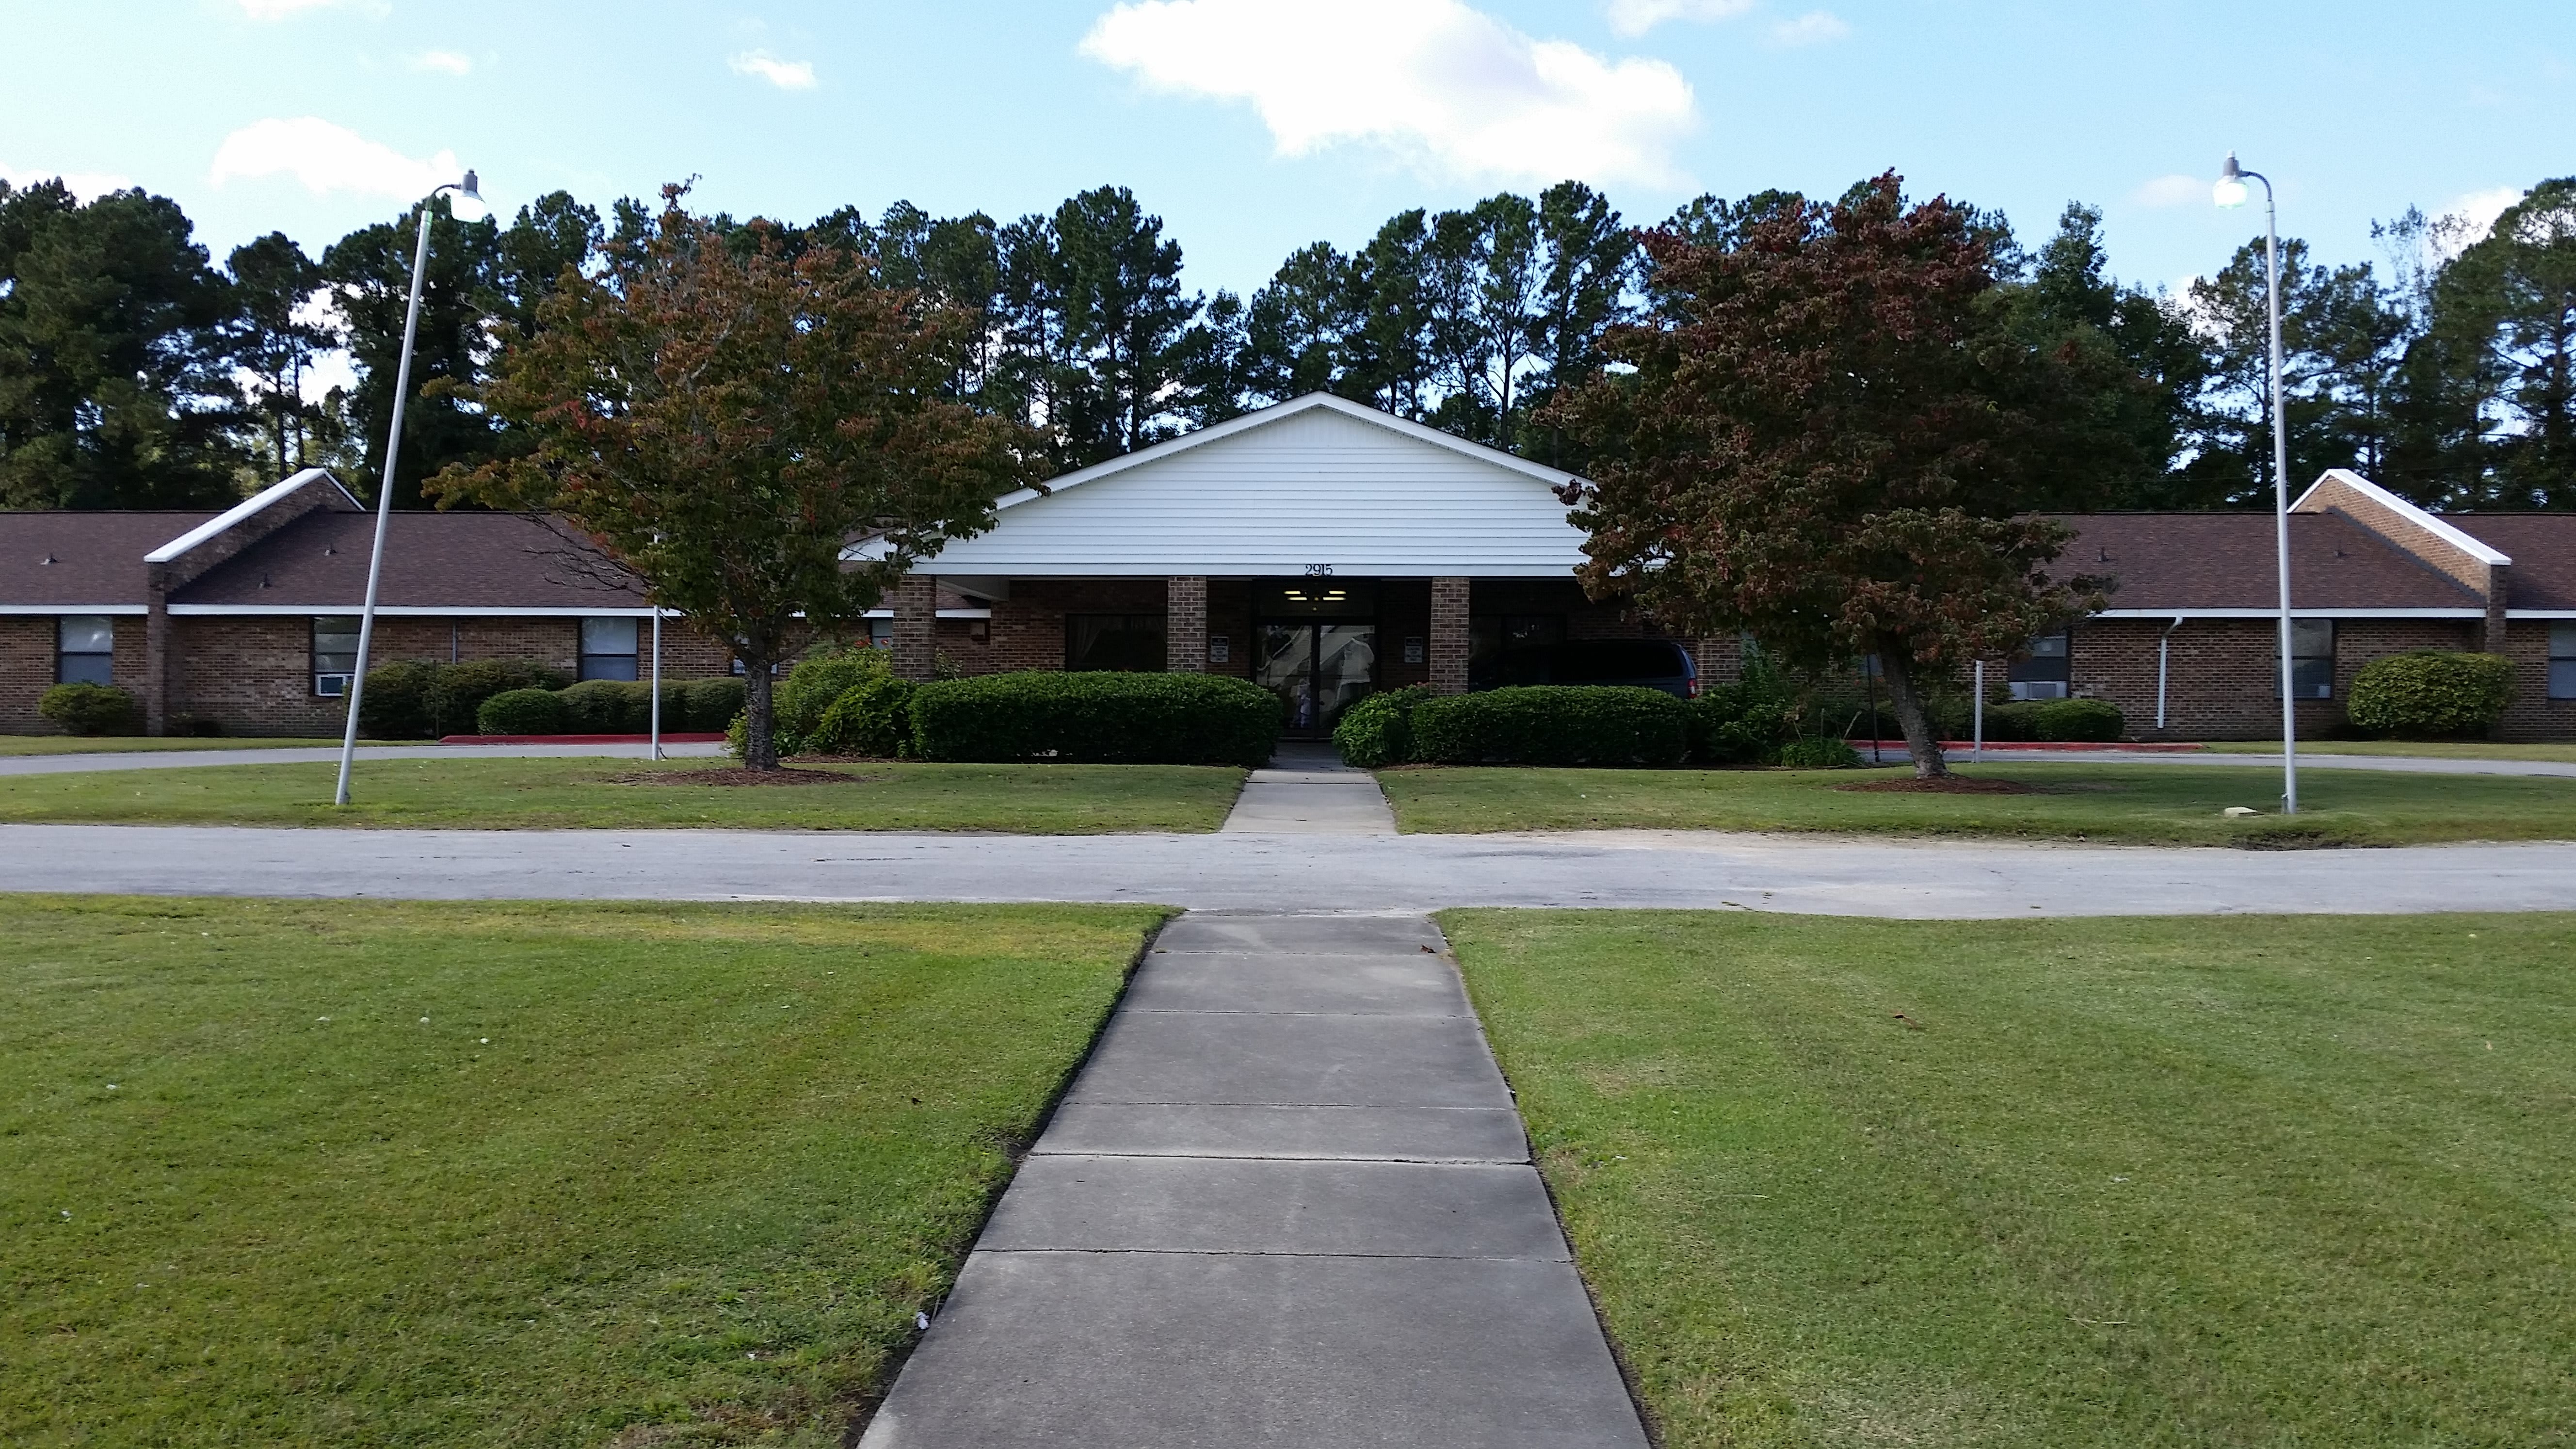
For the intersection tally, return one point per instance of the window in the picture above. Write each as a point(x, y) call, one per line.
point(85, 650)
point(2312, 658)
point(335, 654)
point(608, 649)
point(2562, 661)
point(1490, 636)
point(2043, 669)
point(1129, 642)
point(881, 633)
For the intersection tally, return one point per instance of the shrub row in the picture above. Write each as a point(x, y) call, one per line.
point(419, 700)
point(1171, 719)
point(2055, 720)
point(2430, 694)
point(92, 709)
point(609, 707)
point(1756, 721)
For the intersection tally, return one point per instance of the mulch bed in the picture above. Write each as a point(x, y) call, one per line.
point(1944, 785)
point(741, 777)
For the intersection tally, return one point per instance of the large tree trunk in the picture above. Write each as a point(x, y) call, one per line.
point(1896, 665)
point(759, 717)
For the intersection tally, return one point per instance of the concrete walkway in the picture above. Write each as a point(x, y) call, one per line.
point(1288, 1201)
point(1307, 790)
point(316, 754)
point(1951, 879)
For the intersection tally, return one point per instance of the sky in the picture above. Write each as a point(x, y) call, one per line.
point(1253, 127)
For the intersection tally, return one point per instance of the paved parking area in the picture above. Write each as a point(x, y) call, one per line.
point(1287, 1201)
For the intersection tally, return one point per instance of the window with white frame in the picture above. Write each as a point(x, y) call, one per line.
point(85, 650)
point(2562, 660)
point(881, 633)
point(2043, 669)
point(2312, 658)
point(608, 649)
point(335, 654)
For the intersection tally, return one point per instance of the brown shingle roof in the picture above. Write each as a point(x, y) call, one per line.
point(432, 560)
point(2226, 561)
point(2542, 547)
point(97, 558)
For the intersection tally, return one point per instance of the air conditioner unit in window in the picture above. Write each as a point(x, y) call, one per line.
point(330, 686)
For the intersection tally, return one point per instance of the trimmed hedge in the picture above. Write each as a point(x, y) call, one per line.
point(1748, 722)
point(522, 712)
point(1590, 724)
point(1378, 731)
point(2096, 720)
point(1141, 719)
point(91, 709)
point(420, 700)
point(2430, 694)
point(870, 718)
point(707, 706)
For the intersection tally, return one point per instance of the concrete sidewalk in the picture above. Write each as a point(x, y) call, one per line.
point(1307, 790)
point(1287, 1202)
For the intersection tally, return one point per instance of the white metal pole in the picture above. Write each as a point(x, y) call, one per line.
point(657, 684)
point(384, 506)
point(1977, 745)
point(2281, 506)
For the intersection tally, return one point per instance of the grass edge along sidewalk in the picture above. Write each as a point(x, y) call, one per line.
point(595, 793)
point(15, 746)
point(307, 1172)
point(2155, 804)
point(2030, 1184)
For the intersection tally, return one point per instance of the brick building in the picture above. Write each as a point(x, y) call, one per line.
point(1319, 547)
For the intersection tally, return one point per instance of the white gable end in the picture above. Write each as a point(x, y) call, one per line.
point(1319, 484)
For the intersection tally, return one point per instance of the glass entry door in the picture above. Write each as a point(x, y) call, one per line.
point(1318, 668)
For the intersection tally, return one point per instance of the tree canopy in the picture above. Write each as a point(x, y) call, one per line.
point(725, 420)
point(1832, 437)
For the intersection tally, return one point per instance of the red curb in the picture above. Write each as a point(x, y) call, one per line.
point(667, 738)
point(1991, 746)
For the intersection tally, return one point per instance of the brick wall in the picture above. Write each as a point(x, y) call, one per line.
point(1027, 628)
point(2533, 715)
point(1185, 625)
point(2225, 681)
point(27, 666)
point(1452, 603)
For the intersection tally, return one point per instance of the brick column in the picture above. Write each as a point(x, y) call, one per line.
point(1185, 626)
point(1449, 636)
point(916, 612)
point(157, 662)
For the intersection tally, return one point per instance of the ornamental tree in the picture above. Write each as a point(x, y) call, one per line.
point(1829, 435)
point(723, 421)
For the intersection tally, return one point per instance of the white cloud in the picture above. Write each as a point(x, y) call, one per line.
point(86, 185)
point(2481, 208)
point(1813, 28)
point(2174, 190)
point(1452, 89)
point(1636, 17)
point(787, 75)
point(443, 60)
point(326, 157)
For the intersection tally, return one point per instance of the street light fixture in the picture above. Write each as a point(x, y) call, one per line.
point(467, 207)
point(2230, 192)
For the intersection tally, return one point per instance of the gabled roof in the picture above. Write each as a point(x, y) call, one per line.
point(64, 561)
point(2166, 563)
point(1318, 483)
point(489, 562)
point(250, 507)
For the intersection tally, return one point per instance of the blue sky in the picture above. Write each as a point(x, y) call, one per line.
point(1254, 126)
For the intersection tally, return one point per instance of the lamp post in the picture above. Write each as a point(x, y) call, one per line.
point(468, 207)
point(2229, 193)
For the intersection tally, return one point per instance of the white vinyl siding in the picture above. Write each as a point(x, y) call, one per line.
point(1313, 491)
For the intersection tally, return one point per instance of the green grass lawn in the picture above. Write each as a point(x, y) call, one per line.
point(287, 1173)
point(2266, 1181)
point(2557, 751)
point(2128, 804)
point(556, 794)
point(130, 744)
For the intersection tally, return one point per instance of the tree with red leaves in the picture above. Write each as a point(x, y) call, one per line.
point(1830, 437)
point(724, 420)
